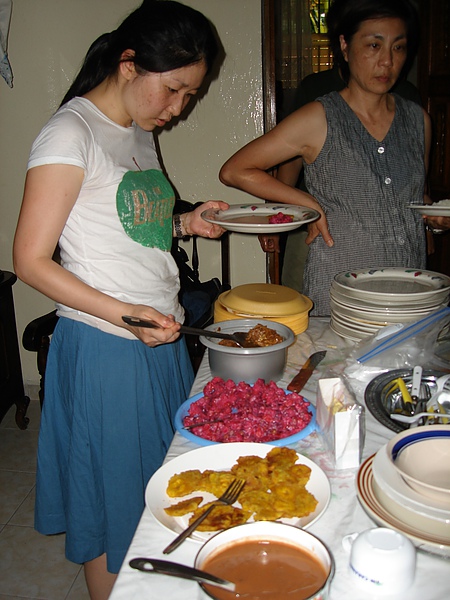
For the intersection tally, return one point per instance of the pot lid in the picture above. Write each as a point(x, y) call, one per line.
point(265, 299)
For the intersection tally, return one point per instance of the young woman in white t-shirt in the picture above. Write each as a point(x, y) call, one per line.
point(94, 187)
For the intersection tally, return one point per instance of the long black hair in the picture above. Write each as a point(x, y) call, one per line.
point(345, 17)
point(164, 35)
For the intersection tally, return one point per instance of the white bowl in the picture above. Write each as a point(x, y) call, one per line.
point(264, 532)
point(388, 478)
point(247, 364)
point(422, 458)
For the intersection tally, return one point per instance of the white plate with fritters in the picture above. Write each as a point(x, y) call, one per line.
point(222, 457)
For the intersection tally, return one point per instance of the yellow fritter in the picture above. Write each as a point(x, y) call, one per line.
point(254, 470)
point(221, 517)
point(281, 457)
point(184, 507)
point(274, 489)
point(293, 474)
point(216, 482)
point(260, 503)
point(183, 484)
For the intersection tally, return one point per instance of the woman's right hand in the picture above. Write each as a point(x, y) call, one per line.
point(167, 332)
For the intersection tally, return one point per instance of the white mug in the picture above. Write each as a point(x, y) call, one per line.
point(382, 561)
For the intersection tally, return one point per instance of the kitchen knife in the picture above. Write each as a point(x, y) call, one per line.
point(306, 371)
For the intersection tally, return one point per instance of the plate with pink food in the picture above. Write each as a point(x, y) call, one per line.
point(240, 412)
point(437, 209)
point(261, 218)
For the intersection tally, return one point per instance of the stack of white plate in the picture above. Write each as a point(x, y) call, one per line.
point(391, 502)
point(364, 301)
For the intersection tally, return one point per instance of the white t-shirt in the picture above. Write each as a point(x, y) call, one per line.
point(118, 236)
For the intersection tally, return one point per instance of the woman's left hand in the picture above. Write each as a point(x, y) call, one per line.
point(317, 228)
point(194, 224)
point(437, 223)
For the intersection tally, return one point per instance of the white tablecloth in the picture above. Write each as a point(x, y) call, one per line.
point(344, 515)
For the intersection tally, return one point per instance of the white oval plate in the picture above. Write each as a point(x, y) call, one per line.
point(254, 218)
point(222, 457)
point(432, 210)
point(393, 282)
point(385, 316)
point(388, 305)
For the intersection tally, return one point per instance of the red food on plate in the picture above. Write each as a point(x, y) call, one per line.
point(280, 218)
point(240, 412)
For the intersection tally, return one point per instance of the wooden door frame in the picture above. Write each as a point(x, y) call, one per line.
point(269, 105)
point(434, 87)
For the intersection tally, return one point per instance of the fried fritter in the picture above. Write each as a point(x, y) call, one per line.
point(260, 503)
point(293, 501)
point(281, 457)
point(221, 517)
point(216, 482)
point(293, 475)
point(184, 507)
point(254, 470)
point(274, 489)
point(183, 484)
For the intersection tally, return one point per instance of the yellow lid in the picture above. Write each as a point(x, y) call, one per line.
point(265, 299)
point(298, 323)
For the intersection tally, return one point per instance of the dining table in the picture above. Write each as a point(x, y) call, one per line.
point(344, 515)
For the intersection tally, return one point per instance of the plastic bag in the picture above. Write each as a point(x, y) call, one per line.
point(425, 342)
point(406, 345)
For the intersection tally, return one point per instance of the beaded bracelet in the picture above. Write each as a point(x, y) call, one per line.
point(178, 227)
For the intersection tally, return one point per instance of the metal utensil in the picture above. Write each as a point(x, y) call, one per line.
point(306, 371)
point(165, 567)
point(230, 496)
point(416, 382)
point(442, 390)
point(239, 336)
point(413, 418)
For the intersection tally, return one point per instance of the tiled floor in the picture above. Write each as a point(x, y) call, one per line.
point(32, 565)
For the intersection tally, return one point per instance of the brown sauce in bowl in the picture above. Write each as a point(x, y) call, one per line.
point(266, 570)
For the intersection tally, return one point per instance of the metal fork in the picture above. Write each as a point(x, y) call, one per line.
point(230, 496)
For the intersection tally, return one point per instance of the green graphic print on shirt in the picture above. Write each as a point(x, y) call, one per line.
point(145, 201)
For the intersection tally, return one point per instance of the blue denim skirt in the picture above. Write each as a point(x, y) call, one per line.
point(106, 425)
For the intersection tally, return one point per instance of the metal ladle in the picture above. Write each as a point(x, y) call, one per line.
point(239, 337)
point(166, 567)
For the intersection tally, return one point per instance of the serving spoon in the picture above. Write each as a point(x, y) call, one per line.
point(239, 337)
point(166, 567)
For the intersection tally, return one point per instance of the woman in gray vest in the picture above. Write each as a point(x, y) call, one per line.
point(365, 152)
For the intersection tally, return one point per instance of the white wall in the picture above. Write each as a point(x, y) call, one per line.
point(47, 42)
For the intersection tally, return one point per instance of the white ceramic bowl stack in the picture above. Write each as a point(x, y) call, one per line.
point(364, 301)
point(406, 486)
